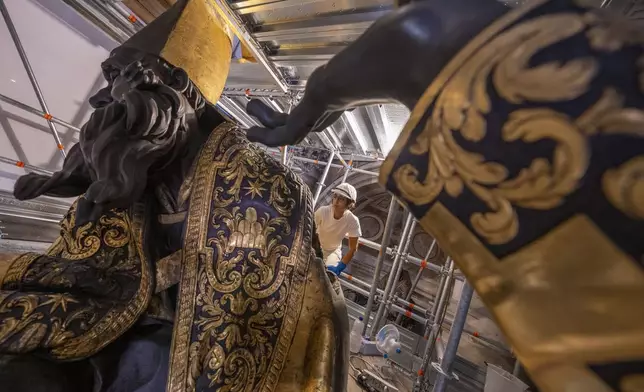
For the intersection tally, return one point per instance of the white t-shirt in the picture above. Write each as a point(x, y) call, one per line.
point(332, 231)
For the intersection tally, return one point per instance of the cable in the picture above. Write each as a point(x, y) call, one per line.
point(356, 369)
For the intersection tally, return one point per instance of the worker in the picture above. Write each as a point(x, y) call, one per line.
point(333, 223)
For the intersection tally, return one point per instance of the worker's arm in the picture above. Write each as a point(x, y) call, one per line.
point(354, 233)
point(353, 247)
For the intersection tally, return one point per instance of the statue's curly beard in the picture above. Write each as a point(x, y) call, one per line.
point(122, 147)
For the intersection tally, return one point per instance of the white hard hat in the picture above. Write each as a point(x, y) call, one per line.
point(346, 190)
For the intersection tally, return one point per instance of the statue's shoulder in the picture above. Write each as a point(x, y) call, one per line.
point(246, 173)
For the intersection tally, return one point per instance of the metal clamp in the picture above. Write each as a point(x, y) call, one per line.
point(394, 252)
point(439, 369)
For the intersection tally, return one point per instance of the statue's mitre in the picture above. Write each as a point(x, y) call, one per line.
point(190, 35)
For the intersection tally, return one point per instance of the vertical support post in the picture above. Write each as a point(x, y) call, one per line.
point(403, 259)
point(417, 279)
point(32, 76)
point(392, 275)
point(439, 291)
point(434, 325)
point(454, 338)
point(284, 154)
point(386, 236)
point(347, 169)
point(517, 368)
point(318, 189)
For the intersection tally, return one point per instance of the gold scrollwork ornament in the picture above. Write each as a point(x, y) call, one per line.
point(624, 187)
point(463, 102)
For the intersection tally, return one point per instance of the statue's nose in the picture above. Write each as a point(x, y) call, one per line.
point(102, 98)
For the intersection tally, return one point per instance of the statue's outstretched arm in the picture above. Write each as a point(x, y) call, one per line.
point(394, 60)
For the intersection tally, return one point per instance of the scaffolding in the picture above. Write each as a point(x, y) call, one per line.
point(432, 318)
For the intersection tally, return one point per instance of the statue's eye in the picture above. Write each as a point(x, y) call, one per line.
point(113, 74)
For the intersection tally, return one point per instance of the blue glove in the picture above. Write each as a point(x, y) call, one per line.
point(338, 268)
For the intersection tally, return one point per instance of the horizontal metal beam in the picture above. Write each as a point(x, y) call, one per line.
point(406, 313)
point(340, 30)
point(253, 92)
point(411, 259)
point(40, 217)
point(353, 287)
point(400, 301)
point(25, 166)
point(240, 30)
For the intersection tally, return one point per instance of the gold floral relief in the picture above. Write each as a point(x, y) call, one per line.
point(236, 318)
point(246, 230)
point(463, 102)
point(249, 166)
point(609, 33)
point(80, 243)
point(624, 187)
point(41, 308)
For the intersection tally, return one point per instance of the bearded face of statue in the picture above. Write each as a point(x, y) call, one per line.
point(141, 124)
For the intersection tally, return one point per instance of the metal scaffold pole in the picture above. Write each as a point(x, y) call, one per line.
point(347, 170)
point(26, 166)
point(399, 301)
point(37, 112)
point(403, 259)
point(454, 338)
point(435, 319)
point(517, 368)
point(32, 76)
point(386, 236)
point(409, 222)
point(320, 184)
point(419, 274)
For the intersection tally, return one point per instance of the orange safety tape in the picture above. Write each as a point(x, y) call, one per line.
point(420, 372)
point(411, 306)
point(20, 164)
point(476, 334)
point(316, 161)
point(47, 116)
point(349, 277)
point(60, 147)
point(423, 264)
point(408, 314)
point(132, 18)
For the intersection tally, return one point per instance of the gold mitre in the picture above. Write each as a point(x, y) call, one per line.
point(190, 35)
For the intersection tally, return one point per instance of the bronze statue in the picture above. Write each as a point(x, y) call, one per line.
point(186, 261)
point(524, 158)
